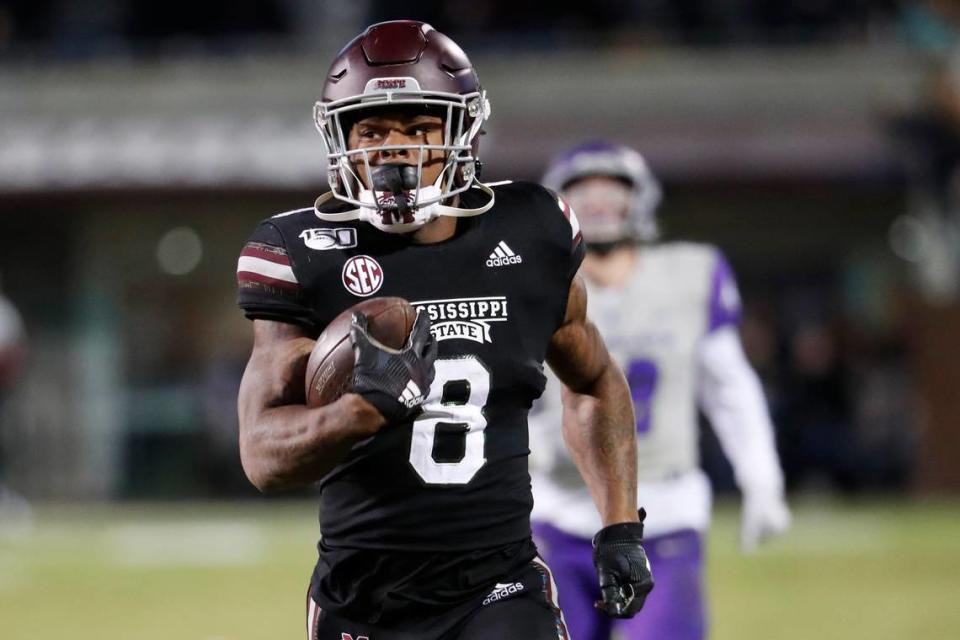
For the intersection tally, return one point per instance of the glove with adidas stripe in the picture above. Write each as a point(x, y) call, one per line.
point(395, 381)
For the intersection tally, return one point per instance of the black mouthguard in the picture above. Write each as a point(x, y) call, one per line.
point(397, 179)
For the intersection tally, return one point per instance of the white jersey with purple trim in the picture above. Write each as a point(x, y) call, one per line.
point(678, 294)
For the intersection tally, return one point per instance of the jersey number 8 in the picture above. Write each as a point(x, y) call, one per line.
point(453, 411)
point(642, 377)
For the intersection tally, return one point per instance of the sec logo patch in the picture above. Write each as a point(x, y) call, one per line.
point(362, 276)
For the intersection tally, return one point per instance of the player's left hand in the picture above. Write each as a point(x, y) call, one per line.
point(623, 568)
point(765, 515)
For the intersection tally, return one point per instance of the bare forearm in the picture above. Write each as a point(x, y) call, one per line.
point(599, 430)
point(283, 443)
point(598, 422)
point(292, 445)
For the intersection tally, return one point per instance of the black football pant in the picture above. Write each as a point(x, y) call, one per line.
point(521, 607)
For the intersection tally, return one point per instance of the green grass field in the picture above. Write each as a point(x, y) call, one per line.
point(878, 571)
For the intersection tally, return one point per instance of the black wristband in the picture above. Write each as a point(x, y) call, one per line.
point(622, 531)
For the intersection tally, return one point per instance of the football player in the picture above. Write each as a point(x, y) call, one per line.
point(669, 312)
point(422, 465)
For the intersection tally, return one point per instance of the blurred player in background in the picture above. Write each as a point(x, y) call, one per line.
point(669, 313)
point(424, 487)
point(14, 510)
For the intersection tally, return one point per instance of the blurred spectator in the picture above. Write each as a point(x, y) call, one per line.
point(931, 25)
point(884, 417)
point(932, 131)
point(14, 510)
point(817, 426)
point(12, 344)
point(928, 235)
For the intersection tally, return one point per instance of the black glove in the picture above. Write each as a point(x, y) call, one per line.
point(396, 382)
point(623, 568)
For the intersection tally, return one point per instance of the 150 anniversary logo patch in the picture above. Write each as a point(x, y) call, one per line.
point(326, 239)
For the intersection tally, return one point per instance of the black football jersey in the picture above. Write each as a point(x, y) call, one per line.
point(455, 478)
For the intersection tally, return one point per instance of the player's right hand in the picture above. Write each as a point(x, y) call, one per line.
point(765, 516)
point(623, 568)
point(394, 381)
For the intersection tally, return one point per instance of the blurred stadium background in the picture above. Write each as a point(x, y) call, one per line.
point(816, 141)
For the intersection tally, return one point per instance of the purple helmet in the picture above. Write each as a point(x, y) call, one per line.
point(402, 62)
point(605, 159)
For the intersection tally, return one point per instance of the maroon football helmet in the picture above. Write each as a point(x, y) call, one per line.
point(403, 62)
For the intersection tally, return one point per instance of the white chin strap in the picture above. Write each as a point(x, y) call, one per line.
point(386, 219)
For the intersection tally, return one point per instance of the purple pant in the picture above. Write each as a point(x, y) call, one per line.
point(675, 609)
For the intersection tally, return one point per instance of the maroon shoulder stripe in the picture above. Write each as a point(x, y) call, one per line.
point(265, 252)
point(572, 219)
point(250, 277)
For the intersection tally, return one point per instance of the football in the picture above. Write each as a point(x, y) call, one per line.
point(330, 365)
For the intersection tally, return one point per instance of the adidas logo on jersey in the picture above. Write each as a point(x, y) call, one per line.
point(502, 256)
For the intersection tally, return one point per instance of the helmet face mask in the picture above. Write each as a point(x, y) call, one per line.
point(345, 164)
point(401, 66)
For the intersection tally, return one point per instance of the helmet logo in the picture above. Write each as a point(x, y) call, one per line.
point(362, 276)
point(379, 85)
point(392, 83)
